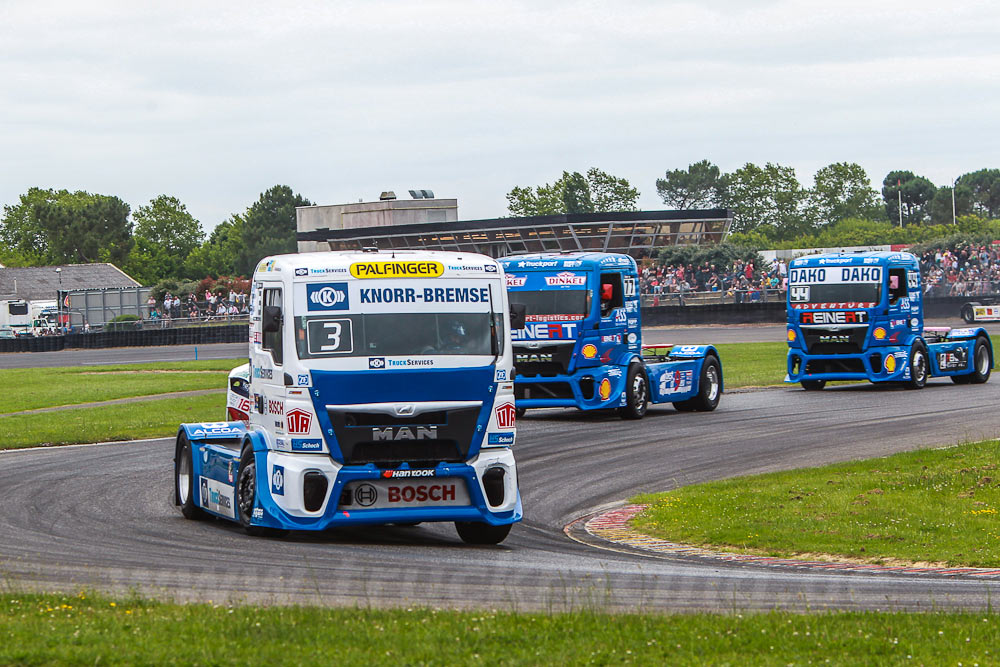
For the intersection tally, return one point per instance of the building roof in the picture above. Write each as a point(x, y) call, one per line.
point(37, 283)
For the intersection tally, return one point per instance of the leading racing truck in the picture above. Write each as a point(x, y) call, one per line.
point(581, 345)
point(379, 391)
point(859, 316)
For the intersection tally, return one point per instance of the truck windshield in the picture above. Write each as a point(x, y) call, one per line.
point(551, 305)
point(836, 293)
point(393, 334)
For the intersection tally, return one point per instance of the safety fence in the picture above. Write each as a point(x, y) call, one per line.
point(231, 333)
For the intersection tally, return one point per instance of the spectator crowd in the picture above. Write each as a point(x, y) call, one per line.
point(212, 307)
point(967, 271)
point(740, 282)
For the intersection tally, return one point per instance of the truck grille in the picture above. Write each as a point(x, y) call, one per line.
point(547, 361)
point(834, 341)
point(388, 441)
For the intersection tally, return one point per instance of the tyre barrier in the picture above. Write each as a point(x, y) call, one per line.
point(232, 333)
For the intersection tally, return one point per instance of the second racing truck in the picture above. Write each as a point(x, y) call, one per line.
point(581, 345)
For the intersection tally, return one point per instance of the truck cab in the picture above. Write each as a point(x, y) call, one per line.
point(581, 345)
point(859, 316)
point(378, 391)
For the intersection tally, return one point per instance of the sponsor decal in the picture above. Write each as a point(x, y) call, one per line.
point(302, 381)
point(375, 363)
point(904, 303)
point(565, 278)
point(217, 497)
point(836, 260)
point(536, 264)
point(400, 474)
point(604, 390)
point(633, 322)
point(535, 357)
point(516, 281)
point(404, 433)
point(835, 317)
point(544, 331)
point(256, 338)
point(501, 375)
point(420, 493)
point(847, 274)
point(589, 351)
point(614, 338)
point(632, 338)
point(505, 415)
point(425, 295)
point(299, 421)
point(961, 333)
point(319, 272)
point(490, 268)
point(397, 269)
point(953, 360)
point(501, 438)
point(258, 513)
point(275, 407)
point(676, 382)
point(302, 272)
point(327, 296)
point(365, 495)
point(278, 481)
point(263, 373)
point(306, 445)
point(621, 317)
point(552, 318)
point(829, 305)
point(229, 470)
point(282, 444)
point(397, 363)
point(210, 429)
point(614, 372)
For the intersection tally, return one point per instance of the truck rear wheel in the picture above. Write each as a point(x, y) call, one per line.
point(982, 361)
point(709, 388)
point(969, 313)
point(918, 366)
point(474, 532)
point(184, 479)
point(246, 495)
point(813, 385)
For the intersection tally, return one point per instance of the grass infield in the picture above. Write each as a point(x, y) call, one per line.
point(31, 388)
point(81, 629)
point(935, 506)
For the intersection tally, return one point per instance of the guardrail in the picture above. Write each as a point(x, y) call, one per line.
point(652, 300)
point(228, 333)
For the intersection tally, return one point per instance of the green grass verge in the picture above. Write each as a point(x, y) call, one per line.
point(81, 629)
point(936, 506)
point(49, 387)
point(752, 364)
point(129, 421)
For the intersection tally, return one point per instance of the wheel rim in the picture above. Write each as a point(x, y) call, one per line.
point(712, 375)
point(247, 489)
point(639, 391)
point(982, 360)
point(184, 476)
point(919, 367)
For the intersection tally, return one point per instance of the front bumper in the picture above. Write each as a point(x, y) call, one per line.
point(869, 365)
point(287, 510)
point(582, 389)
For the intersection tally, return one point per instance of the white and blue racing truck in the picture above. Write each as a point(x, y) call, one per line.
point(379, 391)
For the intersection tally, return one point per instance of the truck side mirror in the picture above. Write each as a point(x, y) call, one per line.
point(518, 315)
point(271, 319)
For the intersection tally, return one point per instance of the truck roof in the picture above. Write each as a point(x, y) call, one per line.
point(875, 257)
point(568, 260)
point(342, 264)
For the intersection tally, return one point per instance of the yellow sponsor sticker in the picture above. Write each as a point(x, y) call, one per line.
point(397, 269)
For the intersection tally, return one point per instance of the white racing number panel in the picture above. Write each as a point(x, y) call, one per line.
point(390, 493)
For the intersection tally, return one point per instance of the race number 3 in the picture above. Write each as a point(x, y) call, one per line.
point(330, 337)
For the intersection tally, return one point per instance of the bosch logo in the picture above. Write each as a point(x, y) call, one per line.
point(327, 296)
point(366, 495)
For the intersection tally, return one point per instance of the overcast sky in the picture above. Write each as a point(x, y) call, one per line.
point(214, 102)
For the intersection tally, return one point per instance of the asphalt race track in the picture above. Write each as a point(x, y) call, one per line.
point(102, 516)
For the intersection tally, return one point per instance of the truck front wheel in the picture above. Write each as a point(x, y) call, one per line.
point(246, 496)
point(918, 366)
point(982, 361)
point(813, 385)
point(636, 393)
point(474, 532)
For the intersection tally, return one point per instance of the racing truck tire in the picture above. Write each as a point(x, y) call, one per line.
point(475, 532)
point(184, 480)
point(813, 385)
point(636, 393)
point(982, 362)
point(709, 388)
point(969, 313)
point(919, 366)
point(246, 496)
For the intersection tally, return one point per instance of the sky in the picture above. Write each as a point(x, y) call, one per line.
point(215, 102)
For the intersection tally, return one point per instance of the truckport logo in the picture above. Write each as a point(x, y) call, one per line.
point(327, 296)
point(298, 421)
point(366, 495)
point(506, 415)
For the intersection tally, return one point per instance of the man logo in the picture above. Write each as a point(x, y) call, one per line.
point(327, 296)
point(366, 495)
point(404, 410)
point(376, 362)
